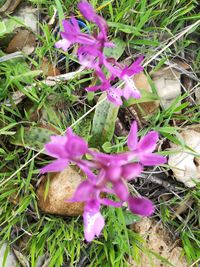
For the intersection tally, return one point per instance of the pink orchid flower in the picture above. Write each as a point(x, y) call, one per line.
point(106, 174)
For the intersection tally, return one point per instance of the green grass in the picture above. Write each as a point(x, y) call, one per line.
point(146, 27)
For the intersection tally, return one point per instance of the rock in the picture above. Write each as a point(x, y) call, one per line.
point(158, 240)
point(62, 186)
point(185, 166)
point(11, 260)
point(167, 82)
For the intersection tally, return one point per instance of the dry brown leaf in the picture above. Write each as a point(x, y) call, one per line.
point(185, 166)
point(148, 108)
point(62, 186)
point(48, 68)
point(167, 82)
point(159, 241)
point(197, 95)
point(9, 6)
point(185, 205)
point(24, 41)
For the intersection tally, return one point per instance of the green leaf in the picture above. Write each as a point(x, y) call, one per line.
point(130, 218)
point(145, 97)
point(117, 51)
point(103, 125)
point(33, 137)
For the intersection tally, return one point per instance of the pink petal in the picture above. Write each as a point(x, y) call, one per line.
point(75, 146)
point(130, 90)
point(93, 225)
point(56, 166)
point(152, 159)
point(113, 172)
point(83, 192)
point(140, 206)
point(148, 142)
point(63, 44)
point(114, 96)
point(131, 170)
point(121, 190)
point(93, 220)
point(56, 147)
point(87, 10)
point(134, 68)
point(132, 137)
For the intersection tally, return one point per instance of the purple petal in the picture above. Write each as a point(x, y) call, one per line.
point(130, 90)
point(148, 142)
point(89, 13)
point(93, 220)
point(114, 96)
point(56, 147)
point(152, 159)
point(113, 172)
point(134, 68)
point(93, 225)
point(140, 206)
point(56, 166)
point(109, 202)
point(84, 192)
point(131, 170)
point(132, 137)
point(121, 190)
point(75, 146)
point(63, 44)
point(87, 10)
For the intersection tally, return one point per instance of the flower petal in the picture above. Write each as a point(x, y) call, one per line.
point(130, 90)
point(121, 190)
point(134, 68)
point(93, 220)
point(75, 146)
point(152, 159)
point(114, 96)
point(56, 166)
point(83, 192)
point(89, 13)
point(131, 170)
point(141, 206)
point(148, 142)
point(56, 147)
point(63, 44)
point(132, 137)
point(113, 172)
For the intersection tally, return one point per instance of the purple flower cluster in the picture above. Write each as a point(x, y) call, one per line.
point(90, 54)
point(106, 174)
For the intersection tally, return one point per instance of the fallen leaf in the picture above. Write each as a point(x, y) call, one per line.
point(48, 68)
point(145, 108)
point(52, 194)
point(197, 95)
point(167, 82)
point(24, 41)
point(185, 164)
point(159, 241)
point(9, 6)
point(182, 207)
